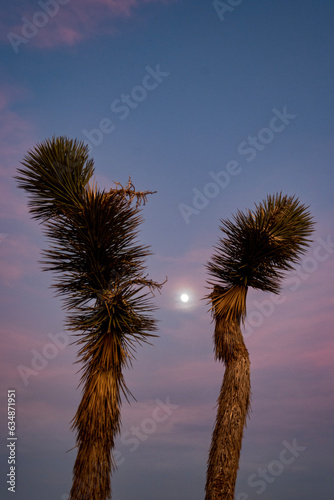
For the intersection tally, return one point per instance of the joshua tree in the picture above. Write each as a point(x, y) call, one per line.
point(100, 270)
point(258, 248)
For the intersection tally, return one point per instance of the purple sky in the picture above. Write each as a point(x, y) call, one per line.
point(213, 109)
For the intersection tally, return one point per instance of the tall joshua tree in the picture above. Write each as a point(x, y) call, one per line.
point(259, 246)
point(101, 274)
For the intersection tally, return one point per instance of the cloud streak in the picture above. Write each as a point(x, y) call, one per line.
point(17, 135)
point(67, 23)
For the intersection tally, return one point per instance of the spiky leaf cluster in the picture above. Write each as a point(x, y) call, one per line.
point(100, 270)
point(55, 174)
point(99, 267)
point(260, 245)
point(100, 274)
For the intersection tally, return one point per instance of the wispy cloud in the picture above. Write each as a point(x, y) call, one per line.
point(67, 23)
point(17, 257)
point(16, 136)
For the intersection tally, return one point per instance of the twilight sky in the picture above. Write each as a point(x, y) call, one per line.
point(214, 105)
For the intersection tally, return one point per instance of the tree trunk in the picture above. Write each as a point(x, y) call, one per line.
point(233, 406)
point(97, 423)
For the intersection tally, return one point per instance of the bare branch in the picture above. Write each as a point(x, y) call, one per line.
point(130, 192)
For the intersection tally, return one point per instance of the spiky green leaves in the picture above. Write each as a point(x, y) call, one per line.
point(258, 248)
point(260, 245)
point(99, 267)
point(55, 174)
point(100, 273)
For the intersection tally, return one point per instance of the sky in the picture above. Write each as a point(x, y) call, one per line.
point(214, 105)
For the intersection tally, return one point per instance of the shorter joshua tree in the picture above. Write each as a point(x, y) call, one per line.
point(259, 246)
point(101, 272)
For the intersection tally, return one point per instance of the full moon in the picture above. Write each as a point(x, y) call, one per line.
point(184, 297)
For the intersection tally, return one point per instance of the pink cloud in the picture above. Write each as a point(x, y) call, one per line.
point(17, 135)
point(300, 326)
point(18, 258)
point(19, 352)
point(74, 21)
point(10, 94)
point(195, 256)
point(14, 130)
point(291, 355)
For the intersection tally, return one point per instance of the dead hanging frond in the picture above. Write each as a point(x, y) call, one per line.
point(229, 304)
point(151, 284)
point(129, 192)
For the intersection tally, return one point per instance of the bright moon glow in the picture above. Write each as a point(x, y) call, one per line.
point(184, 297)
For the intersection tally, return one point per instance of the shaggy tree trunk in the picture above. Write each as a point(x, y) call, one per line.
point(97, 422)
point(233, 406)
